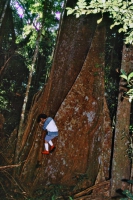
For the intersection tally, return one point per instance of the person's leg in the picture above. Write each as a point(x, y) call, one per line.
point(51, 136)
point(48, 141)
point(46, 145)
point(52, 146)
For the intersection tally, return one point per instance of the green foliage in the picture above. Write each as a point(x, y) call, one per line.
point(3, 101)
point(120, 11)
point(128, 194)
point(130, 148)
point(70, 198)
point(129, 80)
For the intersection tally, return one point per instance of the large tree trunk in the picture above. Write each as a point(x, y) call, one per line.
point(121, 162)
point(81, 122)
point(74, 94)
point(68, 61)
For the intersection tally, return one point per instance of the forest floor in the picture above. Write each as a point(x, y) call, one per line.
point(99, 191)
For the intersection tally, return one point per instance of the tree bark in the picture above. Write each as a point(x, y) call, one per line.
point(121, 162)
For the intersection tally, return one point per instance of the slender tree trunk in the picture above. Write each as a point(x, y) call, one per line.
point(20, 130)
point(4, 11)
point(11, 50)
point(121, 162)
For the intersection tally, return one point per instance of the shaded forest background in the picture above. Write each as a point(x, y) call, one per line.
point(68, 68)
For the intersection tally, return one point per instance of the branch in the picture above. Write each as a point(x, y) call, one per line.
point(2, 68)
point(90, 188)
point(11, 166)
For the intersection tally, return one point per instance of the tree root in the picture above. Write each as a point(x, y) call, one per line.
point(90, 189)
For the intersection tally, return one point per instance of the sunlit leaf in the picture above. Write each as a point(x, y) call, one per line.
point(129, 76)
point(98, 21)
point(70, 11)
point(112, 26)
point(123, 76)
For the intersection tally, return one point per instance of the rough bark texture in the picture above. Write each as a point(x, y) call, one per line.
point(73, 45)
point(105, 156)
point(121, 162)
